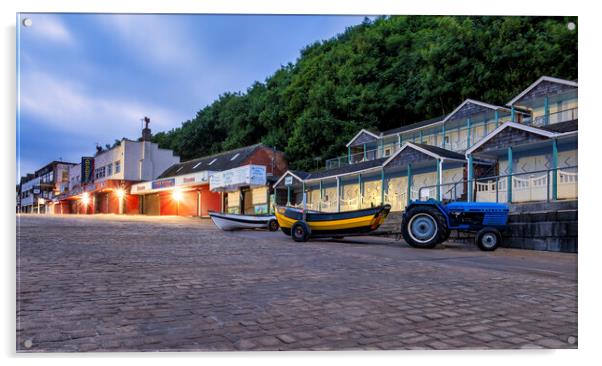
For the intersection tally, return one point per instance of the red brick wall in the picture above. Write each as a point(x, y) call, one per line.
point(263, 156)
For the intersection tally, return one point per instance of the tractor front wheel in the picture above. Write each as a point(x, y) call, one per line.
point(488, 239)
point(424, 227)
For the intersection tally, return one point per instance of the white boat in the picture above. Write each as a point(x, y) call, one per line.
point(238, 222)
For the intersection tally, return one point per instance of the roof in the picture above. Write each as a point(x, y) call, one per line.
point(346, 169)
point(216, 162)
point(537, 82)
point(475, 102)
point(441, 152)
point(363, 130)
point(567, 126)
point(519, 126)
point(413, 126)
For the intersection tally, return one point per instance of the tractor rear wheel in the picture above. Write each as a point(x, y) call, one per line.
point(300, 231)
point(488, 239)
point(424, 227)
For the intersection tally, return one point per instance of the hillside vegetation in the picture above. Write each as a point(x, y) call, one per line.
point(380, 74)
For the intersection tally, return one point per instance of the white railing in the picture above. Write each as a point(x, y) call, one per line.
point(528, 187)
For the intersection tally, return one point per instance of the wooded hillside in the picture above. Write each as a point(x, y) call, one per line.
point(380, 74)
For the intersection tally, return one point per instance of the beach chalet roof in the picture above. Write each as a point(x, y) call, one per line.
point(362, 137)
point(544, 83)
point(548, 132)
point(414, 126)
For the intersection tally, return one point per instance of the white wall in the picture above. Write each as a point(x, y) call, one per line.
point(139, 160)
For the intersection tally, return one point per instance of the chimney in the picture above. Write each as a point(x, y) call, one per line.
point(146, 132)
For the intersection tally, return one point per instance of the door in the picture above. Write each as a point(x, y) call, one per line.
point(247, 202)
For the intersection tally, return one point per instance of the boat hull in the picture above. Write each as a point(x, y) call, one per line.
point(334, 224)
point(229, 222)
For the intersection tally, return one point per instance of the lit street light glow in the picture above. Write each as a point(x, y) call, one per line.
point(85, 199)
point(177, 195)
point(120, 193)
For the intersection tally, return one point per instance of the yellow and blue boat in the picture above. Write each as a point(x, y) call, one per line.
point(302, 225)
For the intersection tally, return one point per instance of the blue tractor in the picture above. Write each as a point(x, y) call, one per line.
point(428, 223)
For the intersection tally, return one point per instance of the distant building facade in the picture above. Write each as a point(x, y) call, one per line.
point(221, 182)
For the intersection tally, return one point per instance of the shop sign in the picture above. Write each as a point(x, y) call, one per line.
point(188, 180)
point(288, 181)
point(87, 169)
point(248, 175)
point(166, 183)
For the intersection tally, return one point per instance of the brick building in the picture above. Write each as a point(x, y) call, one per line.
point(184, 188)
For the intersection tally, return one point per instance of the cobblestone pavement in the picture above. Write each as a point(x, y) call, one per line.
point(110, 283)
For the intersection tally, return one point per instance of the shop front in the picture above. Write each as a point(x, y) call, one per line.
point(184, 195)
point(245, 189)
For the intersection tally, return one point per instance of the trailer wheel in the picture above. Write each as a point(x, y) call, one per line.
point(273, 225)
point(488, 239)
point(300, 231)
point(424, 227)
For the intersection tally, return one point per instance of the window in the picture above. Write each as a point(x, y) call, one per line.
point(212, 161)
point(387, 151)
point(235, 156)
point(117, 166)
point(100, 172)
point(109, 169)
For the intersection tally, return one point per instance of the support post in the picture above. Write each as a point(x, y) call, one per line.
point(409, 192)
point(443, 140)
point(497, 119)
point(382, 186)
point(555, 169)
point(365, 152)
point(360, 191)
point(439, 173)
point(349, 154)
point(546, 110)
point(288, 195)
point(509, 188)
point(399, 141)
point(470, 178)
point(421, 139)
point(468, 123)
point(338, 194)
point(512, 114)
point(382, 148)
point(320, 203)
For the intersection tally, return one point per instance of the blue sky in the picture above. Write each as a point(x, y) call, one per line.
point(89, 78)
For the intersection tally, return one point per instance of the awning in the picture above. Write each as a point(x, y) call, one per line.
point(180, 181)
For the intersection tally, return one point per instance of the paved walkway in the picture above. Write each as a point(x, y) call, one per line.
point(108, 283)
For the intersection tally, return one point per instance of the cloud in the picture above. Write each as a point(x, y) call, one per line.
point(160, 39)
point(69, 106)
point(49, 28)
